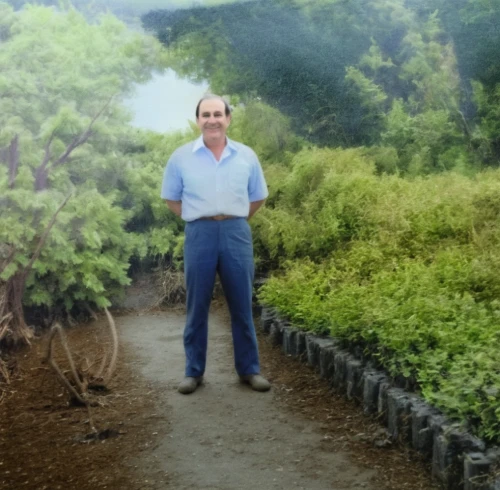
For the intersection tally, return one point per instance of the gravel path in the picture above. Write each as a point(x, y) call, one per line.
point(225, 436)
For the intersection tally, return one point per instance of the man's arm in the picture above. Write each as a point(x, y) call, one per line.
point(257, 187)
point(254, 206)
point(175, 207)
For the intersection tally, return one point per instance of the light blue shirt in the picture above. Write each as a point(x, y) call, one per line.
point(208, 187)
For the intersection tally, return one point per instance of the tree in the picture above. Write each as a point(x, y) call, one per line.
point(337, 68)
point(63, 131)
point(273, 50)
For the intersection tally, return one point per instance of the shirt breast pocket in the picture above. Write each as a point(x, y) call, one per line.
point(239, 176)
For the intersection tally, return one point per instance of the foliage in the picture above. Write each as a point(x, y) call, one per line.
point(385, 235)
point(155, 227)
point(270, 50)
point(403, 268)
point(487, 134)
point(266, 131)
point(354, 73)
point(64, 130)
point(427, 142)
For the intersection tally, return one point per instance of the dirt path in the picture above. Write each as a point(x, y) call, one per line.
point(222, 437)
point(225, 436)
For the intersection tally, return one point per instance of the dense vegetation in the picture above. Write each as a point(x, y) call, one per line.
point(371, 72)
point(65, 135)
point(387, 237)
point(376, 122)
point(405, 269)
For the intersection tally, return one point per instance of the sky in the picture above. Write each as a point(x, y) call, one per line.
point(166, 103)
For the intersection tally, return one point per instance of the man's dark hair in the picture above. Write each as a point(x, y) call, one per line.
point(212, 97)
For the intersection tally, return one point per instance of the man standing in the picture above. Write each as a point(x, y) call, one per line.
point(216, 185)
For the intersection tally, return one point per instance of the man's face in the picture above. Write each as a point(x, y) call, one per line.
point(212, 120)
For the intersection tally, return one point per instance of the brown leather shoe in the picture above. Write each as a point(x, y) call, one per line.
point(189, 384)
point(257, 382)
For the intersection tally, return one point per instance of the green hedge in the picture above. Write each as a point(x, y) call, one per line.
point(406, 268)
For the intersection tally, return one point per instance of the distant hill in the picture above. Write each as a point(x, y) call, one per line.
point(124, 9)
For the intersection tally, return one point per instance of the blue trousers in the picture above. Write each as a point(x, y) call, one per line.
point(223, 247)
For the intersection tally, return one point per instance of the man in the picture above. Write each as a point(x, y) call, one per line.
point(216, 185)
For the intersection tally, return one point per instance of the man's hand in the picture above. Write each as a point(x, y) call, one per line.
point(254, 206)
point(175, 207)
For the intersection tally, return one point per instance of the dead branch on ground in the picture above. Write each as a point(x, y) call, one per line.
point(106, 377)
point(80, 380)
point(172, 285)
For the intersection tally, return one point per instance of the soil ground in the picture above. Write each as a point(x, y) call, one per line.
point(224, 436)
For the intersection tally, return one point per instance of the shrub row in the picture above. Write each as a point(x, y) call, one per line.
point(405, 269)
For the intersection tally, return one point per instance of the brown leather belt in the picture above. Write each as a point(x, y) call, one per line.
point(219, 217)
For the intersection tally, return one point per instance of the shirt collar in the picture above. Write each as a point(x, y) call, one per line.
point(199, 143)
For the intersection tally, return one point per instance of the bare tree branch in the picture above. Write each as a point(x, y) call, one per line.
point(99, 374)
point(80, 139)
point(10, 156)
point(114, 356)
point(80, 397)
point(13, 160)
point(79, 390)
point(48, 154)
point(4, 325)
point(72, 366)
point(42, 171)
point(41, 243)
point(50, 359)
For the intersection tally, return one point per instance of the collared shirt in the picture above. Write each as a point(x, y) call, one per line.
point(208, 187)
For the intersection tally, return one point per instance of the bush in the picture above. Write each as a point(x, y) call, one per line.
point(407, 269)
